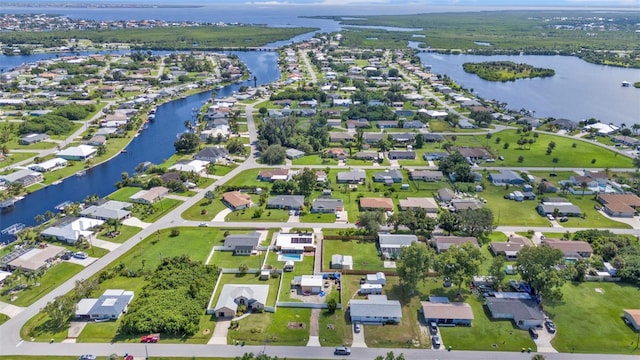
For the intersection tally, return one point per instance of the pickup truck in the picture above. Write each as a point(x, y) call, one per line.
point(151, 338)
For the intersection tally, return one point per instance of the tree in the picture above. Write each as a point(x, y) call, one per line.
point(235, 146)
point(419, 142)
point(476, 221)
point(537, 266)
point(274, 154)
point(187, 143)
point(449, 221)
point(39, 218)
point(416, 220)
point(370, 221)
point(332, 305)
point(496, 270)
point(60, 310)
point(390, 356)
point(209, 195)
point(307, 181)
point(414, 262)
point(460, 263)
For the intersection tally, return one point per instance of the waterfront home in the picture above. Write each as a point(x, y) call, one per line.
point(35, 259)
point(71, 229)
point(24, 177)
point(426, 175)
point(149, 196)
point(190, 166)
point(108, 210)
point(211, 154)
point(77, 153)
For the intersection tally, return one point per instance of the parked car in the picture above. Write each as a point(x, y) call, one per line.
point(341, 350)
point(87, 357)
point(356, 328)
point(551, 328)
point(151, 338)
point(564, 219)
point(203, 225)
point(446, 282)
point(433, 327)
point(533, 332)
point(436, 341)
point(80, 255)
point(67, 255)
point(550, 217)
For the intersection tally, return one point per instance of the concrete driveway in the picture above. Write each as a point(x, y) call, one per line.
point(358, 338)
point(10, 310)
point(219, 336)
point(543, 342)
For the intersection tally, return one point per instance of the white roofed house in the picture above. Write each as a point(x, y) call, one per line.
point(70, 230)
point(48, 165)
point(308, 284)
point(391, 244)
point(110, 306)
point(23, 177)
point(77, 153)
point(108, 210)
point(254, 297)
point(295, 242)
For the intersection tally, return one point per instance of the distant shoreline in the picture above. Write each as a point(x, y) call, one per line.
point(101, 5)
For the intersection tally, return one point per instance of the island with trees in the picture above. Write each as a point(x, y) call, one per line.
point(506, 70)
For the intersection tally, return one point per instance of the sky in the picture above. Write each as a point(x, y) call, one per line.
point(479, 3)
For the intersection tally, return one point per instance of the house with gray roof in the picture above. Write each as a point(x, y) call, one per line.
point(376, 309)
point(426, 175)
point(108, 210)
point(401, 155)
point(388, 177)
point(110, 306)
point(32, 139)
point(289, 202)
point(391, 244)
point(211, 154)
point(442, 243)
point(242, 244)
point(506, 177)
point(372, 138)
point(524, 313)
point(351, 177)
point(254, 297)
point(293, 154)
point(446, 194)
point(323, 205)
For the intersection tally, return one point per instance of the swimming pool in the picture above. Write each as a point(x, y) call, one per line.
point(290, 257)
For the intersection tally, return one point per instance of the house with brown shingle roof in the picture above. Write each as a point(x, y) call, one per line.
point(376, 204)
point(510, 248)
point(455, 313)
point(275, 174)
point(571, 249)
point(619, 205)
point(236, 200)
point(442, 243)
point(429, 204)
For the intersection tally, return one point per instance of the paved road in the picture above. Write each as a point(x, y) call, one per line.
point(307, 63)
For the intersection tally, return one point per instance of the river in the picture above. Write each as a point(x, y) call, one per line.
point(154, 144)
point(579, 90)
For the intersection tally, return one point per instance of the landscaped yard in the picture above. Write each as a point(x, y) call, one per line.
point(589, 318)
point(365, 254)
point(126, 232)
point(49, 281)
point(279, 328)
point(204, 210)
point(314, 160)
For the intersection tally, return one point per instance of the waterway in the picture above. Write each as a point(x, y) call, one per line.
point(579, 90)
point(154, 144)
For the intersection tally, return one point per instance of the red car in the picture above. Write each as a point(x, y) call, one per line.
point(151, 338)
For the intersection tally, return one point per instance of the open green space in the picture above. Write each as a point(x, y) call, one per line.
point(123, 194)
point(318, 218)
point(126, 233)
point(204, 210)
point(227, 260)
point(604, 303)
point(49, 281)
point(505, 70)
point(15, 157)
point(314, 160)
point(279, 328)
point(334, 329)
point(365, 253)
point(268, 215)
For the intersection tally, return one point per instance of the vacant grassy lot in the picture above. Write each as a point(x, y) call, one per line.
point(335, 329)
point(227, 260)
point(604, 308)
point(365, 254)
point(268, 215)
point(49, 281)
point(204, 210)
point(273, 329)
point(314, 160)
point(318, 218)
point(123, 194)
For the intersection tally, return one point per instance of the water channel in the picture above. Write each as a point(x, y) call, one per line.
point(154, 144)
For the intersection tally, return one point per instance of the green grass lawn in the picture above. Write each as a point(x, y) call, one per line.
point(593, 218)
point(510, 212)
point(273, 329)
point(241, 279)
point(126, 232)
point(219, 170)
point(314, 160)
point(318, 218)
point(123, 194)
point(204, 210)
point(249, 178)
point(268, 215)
point(334, 329)
point(161, 208)
point(227, 260)
point(365, 253)
point(15, 157)
point(49, 281)
point(575, 329)
point(3, 318)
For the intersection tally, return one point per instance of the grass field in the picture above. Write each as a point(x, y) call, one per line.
point(605, 309)
point(334, 329)
point(268, 215)
point(49, 281)
point(227, 260)
point(126, 232)
point(210, 209)
point(365, 253)
point(314, 160)
point(318, 218)
point(3, 318)
point(273, 329)
point(15, 157)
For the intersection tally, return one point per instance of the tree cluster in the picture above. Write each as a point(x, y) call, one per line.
point(538, 266)
point(187, 143)
point(459, 166)
point(620, 250)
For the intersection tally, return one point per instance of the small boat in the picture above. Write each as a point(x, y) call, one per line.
point(57, 182)
point(81, 173)
point(626, 84)
point(123, 151)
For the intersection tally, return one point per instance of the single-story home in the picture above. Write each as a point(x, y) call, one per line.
point(254, 297)
point(619, 205)
point(289, 202)
point(378, 278)
point(510, 248)
point(309, 284)
point(211, 154)
point(335, 153)
point(473, 153)
point(49, 165)
point(276, 174)
point(77, 153)
point(339, 136)
point(149, 196)
point(24, 177)
point(391, 244)
point(455, 313)
point(524, 313)
point(242, 244)
point(32, 139)
point(341, 262)
point(428, 204)
point(376, 204)
point(70, 230)
point(108, 210)
point(190, 166)
point(564, 209)
point(236, 200)
point(442, 243)
point(293, 154)
point(573, 249)
point(367, 155)
point(506, 177)
point(633, 317)
point(446, 194)
point(351, 177)
point(295, 242)
point(401, 155)
point(388, 177)
point(376, 309)
point(109, 306)
point(370, 289)
point(426, 175)
point(322, 205)
point(37, 258)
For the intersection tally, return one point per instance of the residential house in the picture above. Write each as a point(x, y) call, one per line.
point(391, 245)
point(370, 289)
point(236, 200)
point(388, 177)
point(412, 124)
point(36, 258)
point(335, 153)
point(242, 244)
point(190, 166)
point(402, 137)
point(430, 137)
point(356, 176)
point(510, 248)
point(445, 313)
point(563, 206)
point(384, 124)
point(288, 202)
point(272, 175)
point(378, 278)
point(322, 205)
point(573, 249)
point(340, 136)
point(474, 154)
point(108, 210)
point(506, 177)
point(77, 153)
point(295, 243)
point(341, 262)
point(254, 297)
point(626, 140)
point(401, 155)
point(149, 196)
point(436, 114)
point(548, 187)
point(321, 176)
point(442, 243)
point(458, 205)
point(632, 316)
point(619, 205)
point(71, 229)
point(211, 154)
point(49, 165)
point(372, 138)
point(32, 139)
point(367, 155)
point(564, 124)
point(308, 284)
point(360, 123)
point(24, 177)
point(109, 306)
point(97, 140)
point(426, 175)
point(525, 313)
point(426, 203)
point(385, 204)
point(293, 154)
point(446, 195)
point(376, 309)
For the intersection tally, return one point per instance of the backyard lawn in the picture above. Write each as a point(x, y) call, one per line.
point(49, 281)
point(604, 303)
point(365, 254)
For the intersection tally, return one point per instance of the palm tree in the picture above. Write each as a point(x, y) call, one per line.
point(39, 218)
point(583, 185)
